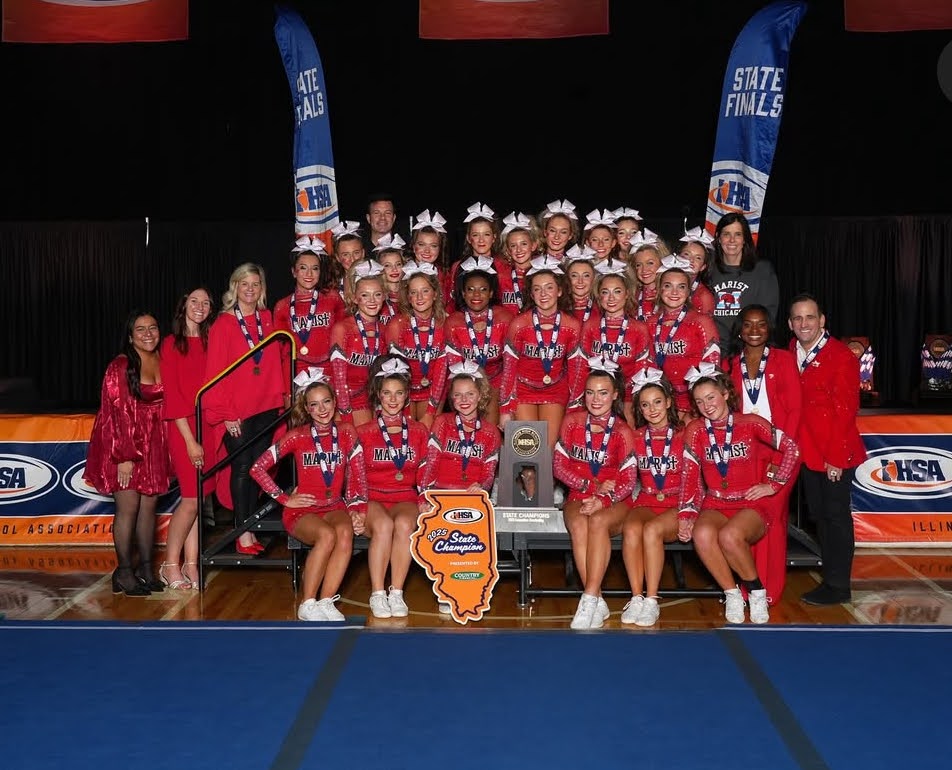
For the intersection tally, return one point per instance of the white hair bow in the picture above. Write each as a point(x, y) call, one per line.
point(367, 268)
point(391, 367)
point(606, 218)
point(577, 252)
point(695, 373)
point(545, 263)
point(425, 220)
point(515, 221)
point(613, 267)
point(484, 264)
point(345, 228)
point(564, 207)
point(310, 376)
point(304, 243)
point(672, 261)
point(626, 213)
point(479, 211)
point(648, 376)
point(466, 367)
point(390, 241)
point(644, 237)
point(599, 364)
point(411, 269)
point(698, 235)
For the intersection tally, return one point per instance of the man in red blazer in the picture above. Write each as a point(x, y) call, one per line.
point(830, 444)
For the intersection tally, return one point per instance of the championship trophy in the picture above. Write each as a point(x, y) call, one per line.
point(861, 348)
point(525, 466)
point(937, 364)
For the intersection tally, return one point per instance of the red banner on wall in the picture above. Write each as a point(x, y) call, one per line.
point(104, 21)
point(488, 20)
point(893, 16)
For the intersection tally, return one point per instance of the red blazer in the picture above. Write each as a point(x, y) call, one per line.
point(782, 384)
point(830, 400)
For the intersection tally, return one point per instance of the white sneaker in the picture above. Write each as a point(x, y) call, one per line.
point(330, 611)
point(398, 607)
point(310, 609)
point(757, 600)
point(734, 605)
point(602, 613)
point(558, 497)
point(444, 608)
point(650, 612)
point(585, 613)
point(632, 609)
point(379, 605)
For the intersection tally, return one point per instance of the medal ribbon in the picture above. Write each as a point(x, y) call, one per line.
point(815, 352)
point(722, 453)
point(588, 311)
point(547, 352)
point(614, 350)
point(244, 329)
point(303, 326)
point(659, 470)
point(753, 386)
point(424, 354)
point(327, 471)
point(365, 339)
point(660, 355)
point(597, 459)
point(480, 354)
point(466, 444)
point(399, 458)
point(516, 287)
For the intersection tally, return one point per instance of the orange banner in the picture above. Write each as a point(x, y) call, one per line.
point(105, 21)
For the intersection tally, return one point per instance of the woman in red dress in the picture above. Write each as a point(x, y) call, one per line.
point(182, 362)
point(697, 249)
point(559, 229)
point(394, 448)
point(128, 454)
point(595, 460)
point(330, 500)
point(652, 519)
point(724, 489)
point(579, 267)
point(646, 252)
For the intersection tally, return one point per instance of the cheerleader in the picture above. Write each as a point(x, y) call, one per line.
point(613, 333)
point(698, 245)
point(394, 448)
point(428, 245)
point(652, 519)
point(417, 333)
point(520, 243)
point(682, 337)
point(559, 229)
point(482, 233)
point(477, 332)
point(594, 459)
point(314, 307)
point(330, 499)
point(356, 340)
point(767, 380)
point(647, 251)
point(627, 223)
point(348, 250)
point(388, 253)
point(724, 488)
point(579, 266)
point(127, 456)
point(543, 363)
point(600, 236)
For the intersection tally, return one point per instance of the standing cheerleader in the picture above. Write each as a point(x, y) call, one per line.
point(477, 332)
point(652, 519)
point(394, 447)
point(356, 340)
point(682, 337)
point(627, 223)
point(417, 333)
point(647, 251)
point(600, 235)
point(594, 459)
point(559, 229)
point(388, 253)
point(314, 307)
point(482, 232)
point(348, 250)
point(330, 498)
point(579, 267)
point(520, 245)
point(428, 244)
point(698, 246)
point(723, 491)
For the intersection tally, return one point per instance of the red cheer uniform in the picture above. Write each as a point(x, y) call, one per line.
point(351, 357)
point(314, 316)
point(345, 463)
point(523, 373)
point(572, 460)
point(513, 286)
point(499, 265)
point(460, 344)
point(431, 345)
point(584, 311)
point(383, 486)
point(669, 466)
point(183, 374)
point(647, 295)
point(128, 429)
point(445, 454)
point(702, 298)
point(390, 309)
point(631, 351)
point(676, 350)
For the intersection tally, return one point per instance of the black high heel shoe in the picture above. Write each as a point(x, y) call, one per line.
point(132, 587)
point(147, 581)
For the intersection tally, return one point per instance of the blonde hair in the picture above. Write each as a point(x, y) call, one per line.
point(230, 298)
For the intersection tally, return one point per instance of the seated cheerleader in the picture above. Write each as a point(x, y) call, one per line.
point(463, 449)
point(330, 499)
point(652, 520)
point(394, 447)
point(724, 488)
point(595, 460)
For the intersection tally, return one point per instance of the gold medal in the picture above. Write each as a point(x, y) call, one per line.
point(724, 484)
point(257, 370)
point(303, 351)
point(425, 382)
point(327, 493)
point(660, 497)
point(547, 380)
point(399, 476)
point(464, 477)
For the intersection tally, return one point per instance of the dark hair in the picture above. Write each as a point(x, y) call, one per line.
point(327, 277)
point(460, 285)
point(376, 382)
point(804, 296)
point(566, 304)
point(748, 258)
point(299, 415)
point(180, 326)
point(674, 417)
point(722, 382)
point(736, 346)
point(659, 278)
point(133, 361)
point(377, 197)
point(618, 403)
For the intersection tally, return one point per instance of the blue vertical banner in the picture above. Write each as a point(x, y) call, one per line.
point(751, 108)
point(315, 187)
